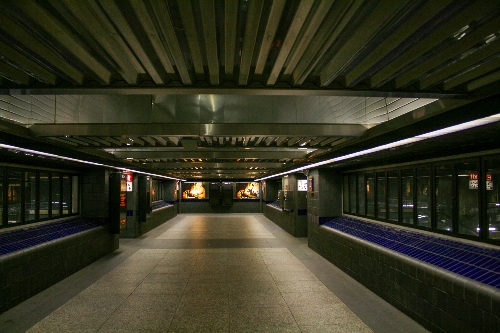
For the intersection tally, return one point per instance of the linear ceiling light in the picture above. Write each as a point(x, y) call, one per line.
point(36, 152)
point(433, 134)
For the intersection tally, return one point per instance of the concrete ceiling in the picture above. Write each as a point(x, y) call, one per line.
point(238, 89)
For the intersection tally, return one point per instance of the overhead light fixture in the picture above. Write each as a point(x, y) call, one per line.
point(421, 137)
point(43, 154)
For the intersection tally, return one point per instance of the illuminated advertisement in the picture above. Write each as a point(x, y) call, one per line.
point(194, 191)
point(247, 190)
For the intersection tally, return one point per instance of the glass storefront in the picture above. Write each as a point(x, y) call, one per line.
point(14, 196)
point(458, 197)
point(30, 196)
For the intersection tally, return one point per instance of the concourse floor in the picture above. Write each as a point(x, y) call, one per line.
point(209, 273)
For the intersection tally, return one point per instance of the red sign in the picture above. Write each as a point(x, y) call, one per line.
point(488, 176)
point(473, 176)
point(129, 177)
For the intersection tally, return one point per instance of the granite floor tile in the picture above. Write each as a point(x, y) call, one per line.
point(157, 321)
point(254, 317)
point(312, 299)
point(258, 299)
point(160, 288)
point(332, 315)
point(200, 320)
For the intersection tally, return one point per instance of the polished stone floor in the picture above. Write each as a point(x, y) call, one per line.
point(209, 273)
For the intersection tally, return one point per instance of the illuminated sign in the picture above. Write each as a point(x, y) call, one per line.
point(247, 190)
point(194, 191)
point(301, 184)
point(130, 179)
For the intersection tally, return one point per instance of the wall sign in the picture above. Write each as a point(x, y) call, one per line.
point(130, 179)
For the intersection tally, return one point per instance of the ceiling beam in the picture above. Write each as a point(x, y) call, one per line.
point(173, 130)
point(252, 27)
point(210, 165)
point(210, 35)
point(257, 154)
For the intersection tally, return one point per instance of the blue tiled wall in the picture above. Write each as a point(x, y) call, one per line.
point(475, 262)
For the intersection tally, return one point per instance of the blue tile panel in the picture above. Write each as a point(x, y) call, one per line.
point(275, 204)
point(160, 204)
point(20, 239)
point(475, 262)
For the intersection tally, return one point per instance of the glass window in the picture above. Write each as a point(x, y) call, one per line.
point(66, 197)
point(381, 209)
point(370, 194)
point(392, 195)
point(30, 195)
point(492, 178)
point(352, 193)
point(407, 195)
point(468, 198)
point(1, 194)
point(44, 195)
point(361, 194)
point(56, 195)
point(14, 196)
point(74, 195)
point(345, 190)
point(444, 195)
point(424, 211)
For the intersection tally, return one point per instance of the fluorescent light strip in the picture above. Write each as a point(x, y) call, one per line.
point(433, 134)
point(31, 151)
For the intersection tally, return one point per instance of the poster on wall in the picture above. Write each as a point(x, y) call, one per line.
point(247, 190)
point(194, 191)
point(301, 184)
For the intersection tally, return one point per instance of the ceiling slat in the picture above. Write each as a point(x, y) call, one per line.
point(188, 22)
point(43, 53)
point(14, 56)
point(465, 64)
point(453, 51)
point(291, 36)
point(306, 38)
point(14, 74)
point(72, 45)
point(325, 38)
point(472, 74)
point(231, 19)
point(493, 77)
point(251, 29)
point(163, 18)
point(210, 36)
point(152, 34)
point(81, 11)
point(359, 40)
point(125, 30)
point(445, 31)
point(414, 22)
point(271, 27)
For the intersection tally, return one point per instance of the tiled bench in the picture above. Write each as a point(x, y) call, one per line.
point(160, 204)
point(295, 223)
point(446, 285)
point(19, 239)
point(35, 257)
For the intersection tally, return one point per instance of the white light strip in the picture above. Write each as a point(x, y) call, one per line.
point(433, 134)
point(31, 151)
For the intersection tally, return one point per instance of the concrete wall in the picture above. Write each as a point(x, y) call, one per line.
point(436, 298)
point(291, 222)
point(157, 218)
point(94, 193)
point(202, 207)
point(26, 273)
point(326, 199)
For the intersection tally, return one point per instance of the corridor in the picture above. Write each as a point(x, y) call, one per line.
point(209, 273)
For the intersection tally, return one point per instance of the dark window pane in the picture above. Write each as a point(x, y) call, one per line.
point(493, 197)
point(392, 195)
point(14, 196)
point(407, 195)
point(1, 194)
point(423, 189)
point(370, 195)
point(361, 194)
point(381, 209)
point(30, 196)
point(56, 195)
point(74, 195)
point(66, 198)
point(444, 194)
point(44, 195)
point(352, 193)
point(345, 190)
point(468, 198)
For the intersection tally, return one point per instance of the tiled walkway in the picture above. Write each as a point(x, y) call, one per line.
point(209, 273)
